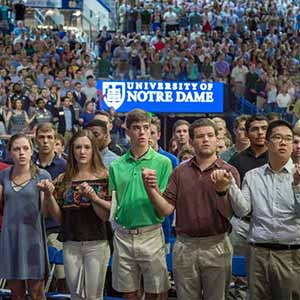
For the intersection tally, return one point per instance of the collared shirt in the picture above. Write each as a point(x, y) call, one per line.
point(274, 204)
point(134, 208)
point(55, 167)
point(68, 118)
point(200, 211)
point(108, 157)
point(246, 160)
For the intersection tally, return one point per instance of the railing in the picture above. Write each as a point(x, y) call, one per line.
point(39, 17)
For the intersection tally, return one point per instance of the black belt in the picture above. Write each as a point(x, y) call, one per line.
point(276, 246)
point(246, 219)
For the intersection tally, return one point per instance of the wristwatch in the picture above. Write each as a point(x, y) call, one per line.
point(223, 193)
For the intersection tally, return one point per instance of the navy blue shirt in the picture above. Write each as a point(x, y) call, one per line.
point(56, 167)
point(169, 155)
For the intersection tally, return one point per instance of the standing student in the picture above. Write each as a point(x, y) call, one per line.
point(181, 134)
point(47, 159)
point(202, 252)
point(101, 134)
point(139, 246)
point(271, 195)
point(252, 157)
point(82, 209)
point(155, 133)
point(23, 248)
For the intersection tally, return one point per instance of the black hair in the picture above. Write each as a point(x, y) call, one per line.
point(277, 123)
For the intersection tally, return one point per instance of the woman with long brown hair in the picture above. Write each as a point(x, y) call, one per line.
point(23, 238)
point(82, 208)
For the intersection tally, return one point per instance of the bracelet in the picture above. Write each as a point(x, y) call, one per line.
point(223, 193)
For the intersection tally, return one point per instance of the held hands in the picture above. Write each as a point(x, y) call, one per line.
point(296, 176)
point(46, 186)
point(149, 178)
point(86, 190)
point(221, 180)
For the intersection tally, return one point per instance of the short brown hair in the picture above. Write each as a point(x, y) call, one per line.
point(240, 119)
point(156, 122)
point(45, 127)
point(60, 138)
point(203, 122)
point(179, 123)
point(186, 149)
point(103, 113)
point(137, 115)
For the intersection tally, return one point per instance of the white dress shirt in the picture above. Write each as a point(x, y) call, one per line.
point(273, 202)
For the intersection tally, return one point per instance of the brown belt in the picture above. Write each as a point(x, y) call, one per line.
point(139, 230)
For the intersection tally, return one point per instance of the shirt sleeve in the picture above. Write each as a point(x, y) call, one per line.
point(221, 204)
point(170, 193)
point(240, 199)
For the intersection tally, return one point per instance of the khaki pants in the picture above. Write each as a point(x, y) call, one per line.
point(274, 275)
point(137, 255)
point(202, 267)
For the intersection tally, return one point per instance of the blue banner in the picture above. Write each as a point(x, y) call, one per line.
point(72, 4)
point(162, 97)
point(44, 3)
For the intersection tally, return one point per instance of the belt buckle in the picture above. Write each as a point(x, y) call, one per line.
point(134, 231)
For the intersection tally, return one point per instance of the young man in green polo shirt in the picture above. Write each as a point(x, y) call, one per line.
point(139, 247)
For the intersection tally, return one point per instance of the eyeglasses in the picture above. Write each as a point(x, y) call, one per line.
point(277, 138)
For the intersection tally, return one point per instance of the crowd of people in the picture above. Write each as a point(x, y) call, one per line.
point(106, 186)
point(251, 45)
point(96, 201)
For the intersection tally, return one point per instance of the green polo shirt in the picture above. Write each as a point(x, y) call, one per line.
point(134, 208)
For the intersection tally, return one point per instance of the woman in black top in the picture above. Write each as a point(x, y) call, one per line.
point(82, 208)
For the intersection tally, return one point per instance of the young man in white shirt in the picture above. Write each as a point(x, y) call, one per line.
point(271, 194)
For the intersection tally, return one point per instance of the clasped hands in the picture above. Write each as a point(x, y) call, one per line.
point(221, 179)
point(84, 189)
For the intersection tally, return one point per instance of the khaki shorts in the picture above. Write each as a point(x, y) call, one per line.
point(136, 255)
point(54, 242)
